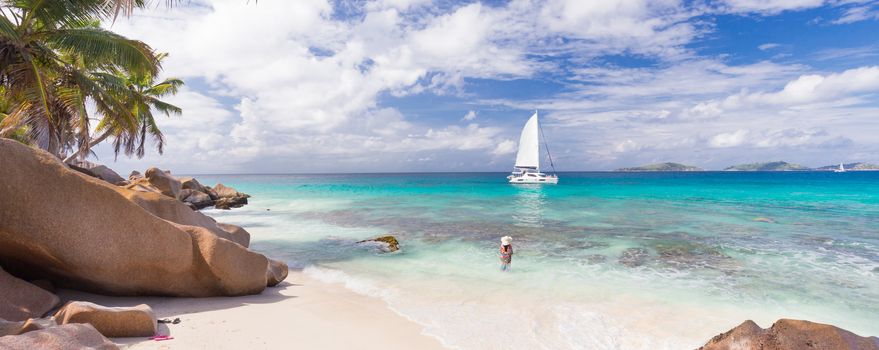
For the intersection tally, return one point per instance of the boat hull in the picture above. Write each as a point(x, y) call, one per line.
point(537, 179)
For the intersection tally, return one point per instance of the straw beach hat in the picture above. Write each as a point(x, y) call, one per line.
point(506, 240)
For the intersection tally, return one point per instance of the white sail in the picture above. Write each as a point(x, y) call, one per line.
point(527, 169)
point(529, 146)
point(841, 168)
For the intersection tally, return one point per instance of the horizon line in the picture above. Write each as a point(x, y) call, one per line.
point(504, 172)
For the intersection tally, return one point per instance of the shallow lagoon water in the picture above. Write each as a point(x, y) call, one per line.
point(603, 260)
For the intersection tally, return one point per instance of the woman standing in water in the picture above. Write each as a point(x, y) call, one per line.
point(506, 252)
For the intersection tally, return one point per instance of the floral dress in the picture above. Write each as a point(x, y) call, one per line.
point(506, 254)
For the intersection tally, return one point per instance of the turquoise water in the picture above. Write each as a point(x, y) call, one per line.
point(603, 260)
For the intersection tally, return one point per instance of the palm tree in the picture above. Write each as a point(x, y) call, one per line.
point(51, 53)
point(20, 134)
point(126, 7)
point(141, 96)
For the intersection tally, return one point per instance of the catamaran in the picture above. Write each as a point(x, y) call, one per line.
point(840, 170)
point(527, 168)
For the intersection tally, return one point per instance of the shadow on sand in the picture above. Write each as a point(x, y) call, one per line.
point(171, 307)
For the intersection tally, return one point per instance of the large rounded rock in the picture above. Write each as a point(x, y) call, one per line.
point(276, 273)
point(66, 337)
point(745, 336)
point(230, 202)
point(224, 191)
point(20, 300)
point(227, 197)
point(197, 199)
point(29, 325)
point(177, 212)
point(113, 322)
point(164, 182)
point(788, 334)
point(80, 232)
point(236, 233)
point(107, 174)
point(97, 170)
point(190, 183)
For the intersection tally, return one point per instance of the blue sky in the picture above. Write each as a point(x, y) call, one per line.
point(419, 85)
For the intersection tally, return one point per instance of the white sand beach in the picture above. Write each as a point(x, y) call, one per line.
point(300, 313)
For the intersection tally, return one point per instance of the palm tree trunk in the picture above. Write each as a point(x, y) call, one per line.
point(54, 146)
point(92, 143)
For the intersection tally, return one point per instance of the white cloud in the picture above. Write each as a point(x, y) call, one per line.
point(402, 5)
point(645, 27)
point(814, 88)
point(769, 6)
point(627, 146)
point(857, 14)
point(768, 46)
point(505, 147)
point(788, 138)
point(471, 114)
point(728, 139)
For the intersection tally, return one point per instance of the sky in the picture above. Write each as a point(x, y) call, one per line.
point(316, 86)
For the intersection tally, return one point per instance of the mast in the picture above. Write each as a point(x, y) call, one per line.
point(546, 145)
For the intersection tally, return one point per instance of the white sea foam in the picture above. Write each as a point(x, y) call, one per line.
point(499, 319)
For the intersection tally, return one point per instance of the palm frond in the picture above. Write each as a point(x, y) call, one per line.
point(168, 86)
point(7, 29)
point(59, 13)
point(164, 107)
point(98, 44)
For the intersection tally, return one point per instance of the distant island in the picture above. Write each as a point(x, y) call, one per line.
point(851, 166)
point(770, 166)
point(662, 167)
point(764, 166)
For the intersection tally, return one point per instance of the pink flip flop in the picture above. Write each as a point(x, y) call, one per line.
point(161, 337)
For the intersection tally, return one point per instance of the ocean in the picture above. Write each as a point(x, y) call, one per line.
point(602, 260)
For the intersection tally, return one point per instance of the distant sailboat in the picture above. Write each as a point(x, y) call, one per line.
point(840, 170)
point(527, 169)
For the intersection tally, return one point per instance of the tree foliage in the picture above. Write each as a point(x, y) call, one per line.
point(57, 63)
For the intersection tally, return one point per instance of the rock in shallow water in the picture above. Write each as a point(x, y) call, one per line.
point(687, 254)
point(224, 191)
point(227, 197)
point(596, 259)
point(634, 257)
point(227, 203)
point(392, 245)
point(788, 334)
